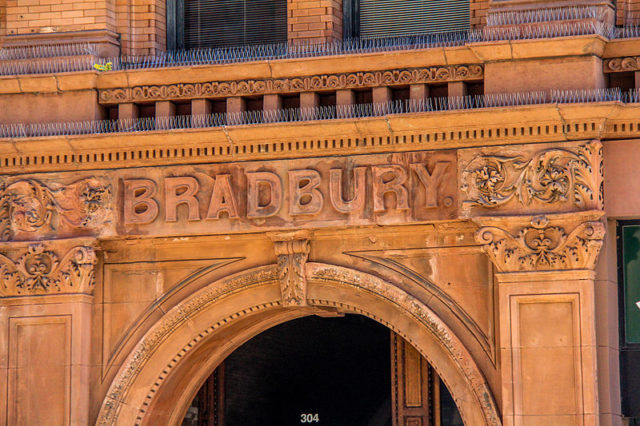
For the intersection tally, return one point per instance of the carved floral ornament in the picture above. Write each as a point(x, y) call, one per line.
point(296, 84)
point(545, 177)
point(29, 207)
point(541, 243)
point(41, 270)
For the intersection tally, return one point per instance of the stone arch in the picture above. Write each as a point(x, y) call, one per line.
point(168, 365)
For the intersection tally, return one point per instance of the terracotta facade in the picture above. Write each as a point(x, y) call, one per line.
point(133, 263)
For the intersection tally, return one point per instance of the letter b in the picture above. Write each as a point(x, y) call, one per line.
point(139, 205)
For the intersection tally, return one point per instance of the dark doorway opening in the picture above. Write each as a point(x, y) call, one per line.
point(324, 371)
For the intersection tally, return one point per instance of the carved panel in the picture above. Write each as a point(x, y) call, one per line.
point(627, 63)
point(542, 243)
point(31, 209)
point(549, 179)
point(39, 373)
point(296, 84)
point(43, 268)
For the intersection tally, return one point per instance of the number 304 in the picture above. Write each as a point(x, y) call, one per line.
point(309, 418)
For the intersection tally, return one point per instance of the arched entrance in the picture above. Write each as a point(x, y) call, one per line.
point(171, 362)
point(336, 370)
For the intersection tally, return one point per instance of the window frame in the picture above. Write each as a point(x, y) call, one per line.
point(625, 348)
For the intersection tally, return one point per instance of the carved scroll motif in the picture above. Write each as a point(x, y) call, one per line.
point(292, 255)
point(286, 85)
point(40, 271)
point(628, 63)
point(30, 206)
point(542, 246)
point(549, 176)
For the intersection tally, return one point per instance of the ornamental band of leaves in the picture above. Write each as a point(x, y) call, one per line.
point(289, 85)
point(549, 176)
point(30, 206)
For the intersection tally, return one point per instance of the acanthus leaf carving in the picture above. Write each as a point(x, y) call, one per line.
point(32, 207)
point(541, 244)
point(548, 176)
point(40, 270)
point(292, 253)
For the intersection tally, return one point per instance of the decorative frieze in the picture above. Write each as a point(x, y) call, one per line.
point(288, 85)
point(569, 176)
point(627, 63)
point(292, 251)
point(542, 243)
point(30, 208)
point(45, 268)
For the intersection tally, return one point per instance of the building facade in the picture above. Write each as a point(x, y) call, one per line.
point(464, 174)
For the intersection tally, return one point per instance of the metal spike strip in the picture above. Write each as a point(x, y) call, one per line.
point(48, 51)
point(545, 15)
point(40, 64)
point(320, 113)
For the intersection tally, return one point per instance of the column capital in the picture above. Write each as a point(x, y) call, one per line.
point(556, 242)
point(47, 267)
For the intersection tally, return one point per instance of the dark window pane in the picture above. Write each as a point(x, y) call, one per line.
point(223, 23)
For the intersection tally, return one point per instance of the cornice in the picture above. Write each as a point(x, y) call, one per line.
point(393, 133)
point(469, 54)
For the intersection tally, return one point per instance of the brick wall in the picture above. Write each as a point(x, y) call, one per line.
point(478, 13)
point(46, 16)
point(317, 20)
point(627, 12)
point(142, 26)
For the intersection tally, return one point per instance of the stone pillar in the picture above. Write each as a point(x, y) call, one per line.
point(345, 99)
point(45, 331)
point(270, 105)
point(545, 273)
point(164, 111)
point(308, 101)
point(418, 91)
point(457, 89)
point(127, 111)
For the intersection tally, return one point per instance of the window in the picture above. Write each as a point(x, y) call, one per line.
point(629, 284)
point(195, 24)
point(389, 18)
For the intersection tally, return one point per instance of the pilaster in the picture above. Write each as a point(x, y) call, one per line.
point(48, 231)
point(545, 274)
point(45, 330)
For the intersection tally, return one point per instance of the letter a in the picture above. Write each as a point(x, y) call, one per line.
point(222, 199)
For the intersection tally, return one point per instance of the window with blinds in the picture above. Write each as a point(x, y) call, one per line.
point(389, 18)
point(222, 23)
